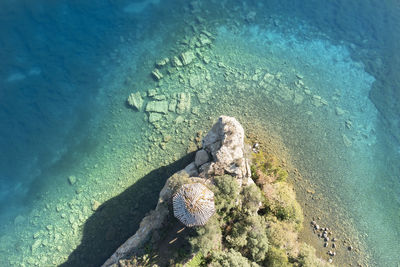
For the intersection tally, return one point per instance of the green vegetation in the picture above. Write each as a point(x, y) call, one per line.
point(254, 225)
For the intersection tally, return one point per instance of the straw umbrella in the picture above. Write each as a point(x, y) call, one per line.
point(193, 204)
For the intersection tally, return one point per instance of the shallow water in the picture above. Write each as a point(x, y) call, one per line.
point(321, 78)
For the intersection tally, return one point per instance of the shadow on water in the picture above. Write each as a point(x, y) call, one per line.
point(118, 218)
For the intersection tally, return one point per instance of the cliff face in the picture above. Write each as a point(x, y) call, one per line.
point(223, 152)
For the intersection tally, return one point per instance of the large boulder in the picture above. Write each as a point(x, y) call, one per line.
point(225, 143)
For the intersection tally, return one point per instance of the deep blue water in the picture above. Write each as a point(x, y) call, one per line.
point(52, 56)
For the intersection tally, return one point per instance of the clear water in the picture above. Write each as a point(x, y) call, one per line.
point(67, 68)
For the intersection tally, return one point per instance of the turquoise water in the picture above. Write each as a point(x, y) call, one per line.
point(322, 78)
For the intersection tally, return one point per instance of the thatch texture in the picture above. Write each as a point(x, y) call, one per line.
point(193, 204)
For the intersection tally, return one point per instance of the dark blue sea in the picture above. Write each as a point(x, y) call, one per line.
point(79, 167)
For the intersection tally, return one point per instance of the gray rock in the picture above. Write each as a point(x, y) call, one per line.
point(191, 169)
point(201, 157)
point(135, 100)
point(157, 106)
point(225, 143)
point(187, 57)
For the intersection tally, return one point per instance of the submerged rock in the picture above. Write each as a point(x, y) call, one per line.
point(72, 180)
point(162, 62)
point(183, 103)
point(176, 62)
point(135, 100)
point(187, 57)
point(157, 106)
point(153, 117)
point(157, 75)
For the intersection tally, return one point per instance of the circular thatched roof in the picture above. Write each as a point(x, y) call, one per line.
point(193, 204)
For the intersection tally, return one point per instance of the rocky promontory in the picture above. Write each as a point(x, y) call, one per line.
point(256, 222)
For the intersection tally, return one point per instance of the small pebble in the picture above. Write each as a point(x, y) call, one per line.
point(325, 244)
point(317, 226)
point(326, 239)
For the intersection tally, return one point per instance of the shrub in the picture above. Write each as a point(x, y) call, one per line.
point(257, 240)
point(252, 198)
point(307, 257)
point(226, 193)
point(277, 258)
point(207, 237)
point(229, 258)
point(249, 236)
point(281, 200)
point(283, 235)
point(265, 169)
point(197, 261)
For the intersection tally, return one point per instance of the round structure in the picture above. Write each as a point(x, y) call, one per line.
point(193, 204)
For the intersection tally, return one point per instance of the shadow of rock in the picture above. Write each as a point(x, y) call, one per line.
point(118, 218)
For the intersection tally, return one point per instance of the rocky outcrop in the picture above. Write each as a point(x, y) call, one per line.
point(225, 144)
point(223, 152)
